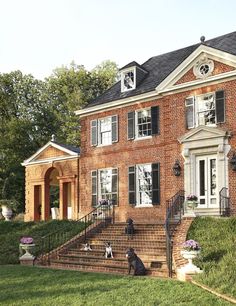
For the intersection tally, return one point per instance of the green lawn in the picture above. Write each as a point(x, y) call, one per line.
point(37, 286)
point(217, 237)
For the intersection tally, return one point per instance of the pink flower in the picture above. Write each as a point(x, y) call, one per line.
point(27, 240)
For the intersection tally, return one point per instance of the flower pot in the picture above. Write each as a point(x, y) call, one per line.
point(189, 208)
point(190, 268)
point(7, 212)
point(28, 250)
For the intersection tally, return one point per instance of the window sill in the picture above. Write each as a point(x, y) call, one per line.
point(143, 206)
point(143, 138)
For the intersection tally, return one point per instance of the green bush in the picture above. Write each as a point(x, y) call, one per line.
point(217, 237)
point(11, 232)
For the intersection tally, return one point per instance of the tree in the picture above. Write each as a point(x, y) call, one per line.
point(32, 110)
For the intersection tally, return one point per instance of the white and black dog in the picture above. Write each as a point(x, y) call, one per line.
point(86, 247)
point(108, 250)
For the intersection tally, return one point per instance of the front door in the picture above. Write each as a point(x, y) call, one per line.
point(206, 181)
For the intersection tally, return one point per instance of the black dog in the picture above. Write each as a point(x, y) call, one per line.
point(129, 230)
point(135, 263)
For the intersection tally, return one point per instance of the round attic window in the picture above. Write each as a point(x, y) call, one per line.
point(203, 68)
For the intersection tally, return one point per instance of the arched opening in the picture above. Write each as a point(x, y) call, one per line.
point(54, 191)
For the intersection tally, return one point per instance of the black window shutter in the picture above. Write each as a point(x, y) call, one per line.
point(220, 106)
point(131, 125)
point(189, 112)
point(132, 186)
point(156, 184)
point(94, 188)
point(155, 119)
point(114, 128)
point(94, 133)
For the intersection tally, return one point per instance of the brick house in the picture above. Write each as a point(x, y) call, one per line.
point(167, 125)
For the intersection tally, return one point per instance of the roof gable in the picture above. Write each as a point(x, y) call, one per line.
point(52, 151)
point(183, 75)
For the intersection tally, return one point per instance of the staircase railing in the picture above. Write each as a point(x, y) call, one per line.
point(174, 213)
point(92, 222)
point(224, 202)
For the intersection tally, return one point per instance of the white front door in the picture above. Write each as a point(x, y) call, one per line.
point(206, 181)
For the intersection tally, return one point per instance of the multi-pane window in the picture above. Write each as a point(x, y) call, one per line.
point(207, 109)
point(144, 184)
point(143, 125)
point(104, 185)
point(104, 131)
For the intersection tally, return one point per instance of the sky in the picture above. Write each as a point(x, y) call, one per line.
point(38, 36)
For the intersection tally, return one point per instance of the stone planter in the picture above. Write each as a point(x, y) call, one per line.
point(28, 248)
point(7, 212)
point(189, 208)
point(185, 273)
point(55, 213)
point(190, 255)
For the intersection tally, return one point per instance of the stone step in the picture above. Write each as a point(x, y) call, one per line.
point(148, 236)
point(127, 243)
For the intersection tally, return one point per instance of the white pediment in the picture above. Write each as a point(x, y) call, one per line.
point(61, 153)
point(170, 83)
point(203, 133)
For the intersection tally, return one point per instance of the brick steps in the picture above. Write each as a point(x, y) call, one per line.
point(117, 254)
point(148, 242)
point(104, 268)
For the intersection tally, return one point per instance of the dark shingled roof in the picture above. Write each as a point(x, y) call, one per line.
point(132, 64)
point(68, 147)
point(159, 67)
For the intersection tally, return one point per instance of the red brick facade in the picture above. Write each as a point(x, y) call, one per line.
point(163, 148)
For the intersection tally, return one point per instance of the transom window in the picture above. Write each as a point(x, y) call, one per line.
point(144, 126)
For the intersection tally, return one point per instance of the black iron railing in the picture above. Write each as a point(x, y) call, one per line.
point(224, 202)
point(91, 223)
point(174, 213)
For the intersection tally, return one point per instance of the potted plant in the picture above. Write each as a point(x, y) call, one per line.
point(190, 204)
point(26, 244)
point(190, 250)
point(7, 207)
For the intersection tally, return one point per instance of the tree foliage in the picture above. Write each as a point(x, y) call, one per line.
point(32, 110)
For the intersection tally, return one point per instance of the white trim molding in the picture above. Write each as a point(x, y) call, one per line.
point(31, 160)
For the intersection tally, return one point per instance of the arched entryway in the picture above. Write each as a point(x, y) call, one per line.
point(52, 180)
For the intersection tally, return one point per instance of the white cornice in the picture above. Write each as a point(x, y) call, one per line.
point(116, 103)
point(48, 160)
point(31, 159)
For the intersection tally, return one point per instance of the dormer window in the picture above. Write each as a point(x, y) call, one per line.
point(128, 79)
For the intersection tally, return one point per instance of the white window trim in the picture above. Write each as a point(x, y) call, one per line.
point(136, 125)
point(123, 72)
point(99, 144)
point(99, 195)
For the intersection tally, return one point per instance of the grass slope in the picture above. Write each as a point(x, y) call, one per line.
point(37, 286)
point(217, 237)
point(11, 232)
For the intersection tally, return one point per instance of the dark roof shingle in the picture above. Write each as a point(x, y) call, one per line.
point(159, 67)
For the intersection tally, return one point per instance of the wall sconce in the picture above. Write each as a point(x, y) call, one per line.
point(233, 162)
point(177, 169)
